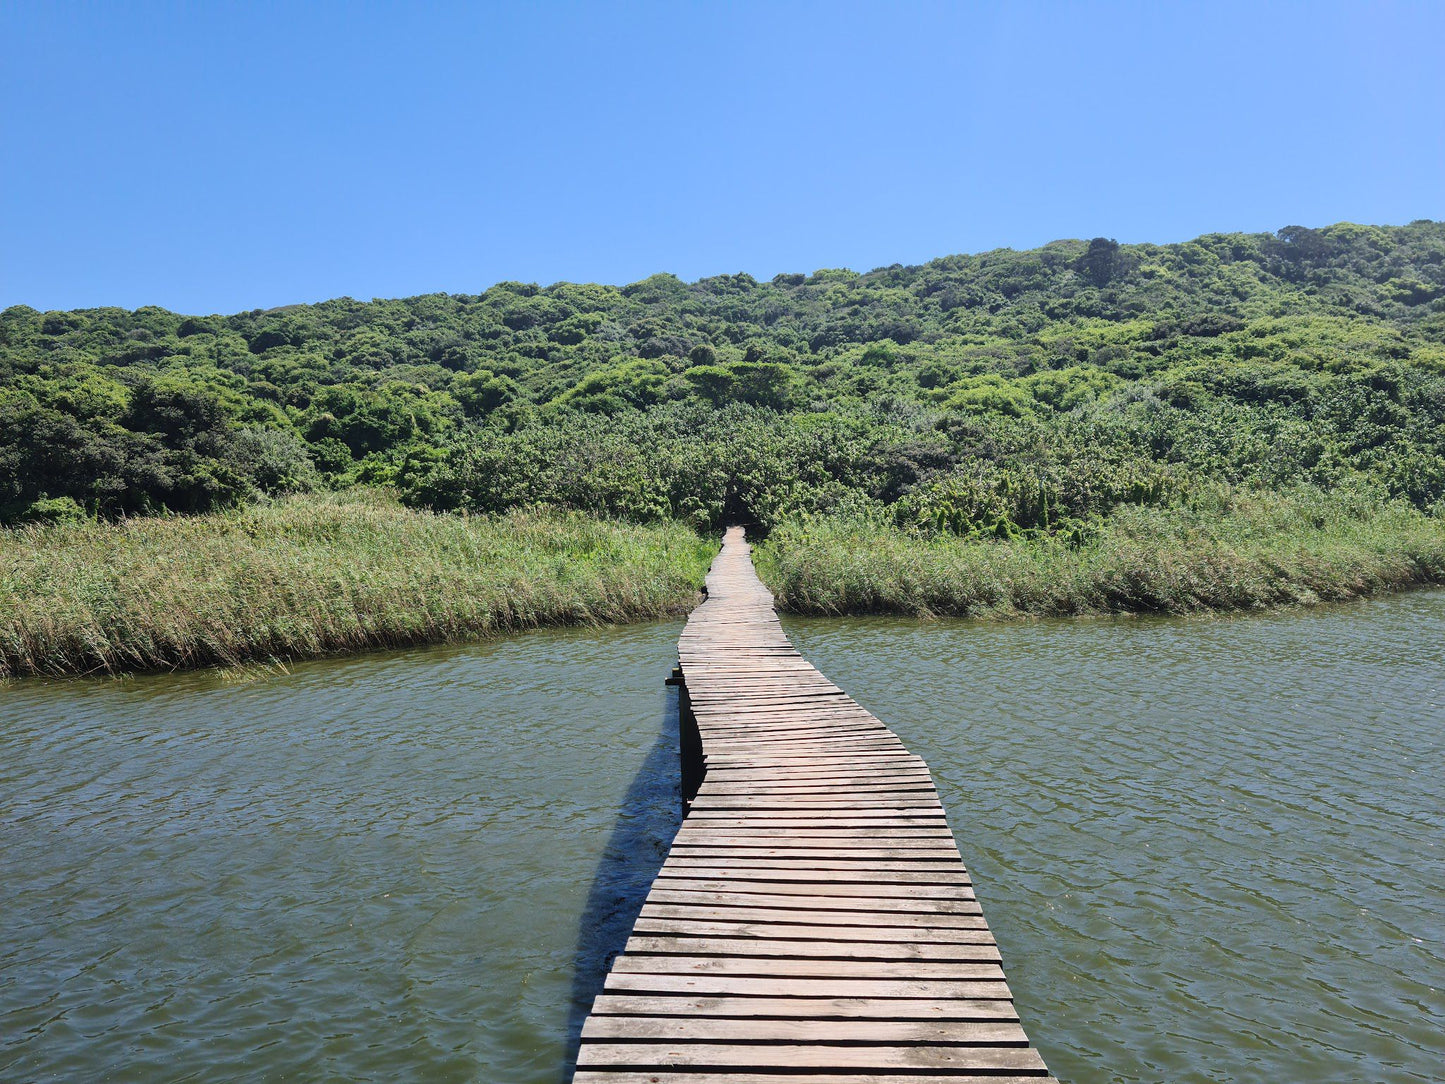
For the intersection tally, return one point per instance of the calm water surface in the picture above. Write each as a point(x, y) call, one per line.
point(1210, 849)
point(371, 869)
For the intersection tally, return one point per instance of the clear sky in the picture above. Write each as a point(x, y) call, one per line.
point(219, 157)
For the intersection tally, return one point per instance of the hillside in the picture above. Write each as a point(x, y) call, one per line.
point(1002, 394)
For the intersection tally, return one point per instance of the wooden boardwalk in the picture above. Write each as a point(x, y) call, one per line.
point(813, 922)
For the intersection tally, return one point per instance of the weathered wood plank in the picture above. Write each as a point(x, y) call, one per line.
point(903, 903)
point(693, 926)
point(809, 1055)
point(982, 966)
point(712, 947)
point(819, 889)
point(773, 986)
point(682, 1076)
point(794, 872)
point(752, 803)
point(808, 1008)
point(870, 835)
point(864, 920)
point(714, 1030)
point(920, 839)
point(951, 869)
point(815, 857)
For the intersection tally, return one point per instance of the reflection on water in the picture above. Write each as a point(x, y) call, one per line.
point(1211, 849)
point(651, 812)
point(371, 869)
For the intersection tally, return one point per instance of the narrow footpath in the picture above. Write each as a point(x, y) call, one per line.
point(814, 922)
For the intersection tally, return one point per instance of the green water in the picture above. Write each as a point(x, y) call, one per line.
point(371, 869)
point(1210, 849)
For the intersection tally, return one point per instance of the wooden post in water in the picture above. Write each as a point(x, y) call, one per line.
point(689, 742)
point(814, 922)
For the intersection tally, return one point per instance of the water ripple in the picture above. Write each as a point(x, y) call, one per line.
point(370, 869)
point(1210, 848)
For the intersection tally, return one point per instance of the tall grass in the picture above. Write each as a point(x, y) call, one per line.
point(315, 575)
point(1234, 552)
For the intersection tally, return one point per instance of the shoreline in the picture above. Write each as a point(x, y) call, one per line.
point(1020, 617)
point(308, 578)
point(350, 574)
point(382, 647)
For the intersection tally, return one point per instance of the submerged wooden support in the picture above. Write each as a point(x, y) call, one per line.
point(813, 922)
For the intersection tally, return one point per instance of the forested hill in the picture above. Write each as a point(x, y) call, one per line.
point(1002, 393)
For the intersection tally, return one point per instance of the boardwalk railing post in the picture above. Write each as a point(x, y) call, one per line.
point(689, 746)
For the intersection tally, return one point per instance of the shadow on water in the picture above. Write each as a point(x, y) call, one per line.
point(649, 818)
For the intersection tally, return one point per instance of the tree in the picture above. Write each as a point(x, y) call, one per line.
point(1100, 261)
point(484, 391)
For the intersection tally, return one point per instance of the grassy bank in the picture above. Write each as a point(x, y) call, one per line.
point(317, 575)
point(313, 576)
point(1234, 553)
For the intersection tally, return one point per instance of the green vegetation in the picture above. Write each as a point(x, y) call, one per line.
point(306, 577)
point(1005, 393)
point(1016, 415)
point(1230, 553)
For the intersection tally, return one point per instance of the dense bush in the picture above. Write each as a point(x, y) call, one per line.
point(993, 395)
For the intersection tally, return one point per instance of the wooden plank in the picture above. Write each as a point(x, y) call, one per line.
point(879, 857)
point(713, 947)
point(756, 750)
point(817, 818)
point(780, 735)
point(769, 789)
point(700, 912)
point(809, 1055)
point(905, 903)
point(847, 761)
point(817, 889)
point(982, 965)
point(815, 774)
point(690, 925)
point(817, 836)
point(662, 1075)
point(773, 986)
point(914, 839)
point(807, 792)
point(793, 843)
point(714, 1030)
point(789, 872)
point(862, 766)
point(809, 1008)
point(706, 802)
point(951, 869)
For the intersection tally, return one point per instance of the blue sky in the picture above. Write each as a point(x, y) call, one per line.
point(220, 157)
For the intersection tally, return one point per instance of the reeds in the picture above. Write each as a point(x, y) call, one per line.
point(1233, 552)
point(315, 575)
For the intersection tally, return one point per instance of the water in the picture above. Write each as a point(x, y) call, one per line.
point(1210, 849)
point(372, 869)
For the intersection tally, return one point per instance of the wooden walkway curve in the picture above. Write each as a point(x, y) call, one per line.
point(813, 922)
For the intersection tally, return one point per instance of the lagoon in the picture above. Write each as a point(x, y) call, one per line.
point(1210, 848)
